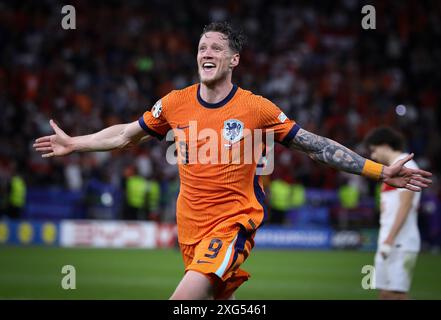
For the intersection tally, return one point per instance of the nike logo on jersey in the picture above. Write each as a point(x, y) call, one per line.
point(203, 261)
point(181, 127)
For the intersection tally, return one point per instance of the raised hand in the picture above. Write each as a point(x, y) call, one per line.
point(397, 175)
point(58, 144)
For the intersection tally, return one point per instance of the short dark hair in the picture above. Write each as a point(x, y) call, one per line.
point(236, 38)
point(387, 136)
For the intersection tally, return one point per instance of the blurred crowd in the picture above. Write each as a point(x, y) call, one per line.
point(312, 58)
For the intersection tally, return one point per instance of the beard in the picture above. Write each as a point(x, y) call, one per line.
point(211, 82)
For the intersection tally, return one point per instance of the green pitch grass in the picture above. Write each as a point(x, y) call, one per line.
point(35, 273)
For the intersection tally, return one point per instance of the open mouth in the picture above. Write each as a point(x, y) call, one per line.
point(208, 66)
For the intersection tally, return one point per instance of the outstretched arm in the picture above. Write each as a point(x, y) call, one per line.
point(329, 152)
point(114, 137)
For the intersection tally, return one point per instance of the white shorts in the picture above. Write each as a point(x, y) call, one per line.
point(395, 272)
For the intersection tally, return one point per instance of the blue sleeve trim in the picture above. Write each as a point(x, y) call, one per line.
point(291, 134)
point(148, 130)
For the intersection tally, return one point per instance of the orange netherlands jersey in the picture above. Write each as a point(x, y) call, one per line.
point(217, 167)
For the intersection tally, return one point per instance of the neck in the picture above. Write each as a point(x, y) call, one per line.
point(216, 92)
point(393, 156)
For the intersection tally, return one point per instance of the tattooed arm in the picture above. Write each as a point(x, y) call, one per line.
point(329, 152)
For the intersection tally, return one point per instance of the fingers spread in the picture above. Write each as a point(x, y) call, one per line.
point(43, 139)
point(410, 187)
point(423, 180)
point(55, 127)
point(404, 160)
point(47, 155)
point(53, 124)
point(41, 144)
point(423, 173)
point(418, 183)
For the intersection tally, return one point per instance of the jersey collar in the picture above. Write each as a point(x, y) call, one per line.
point(217, 104)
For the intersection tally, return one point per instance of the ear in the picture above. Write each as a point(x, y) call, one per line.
point(234, 60)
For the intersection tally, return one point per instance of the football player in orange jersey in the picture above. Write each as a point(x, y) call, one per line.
point(220, 205)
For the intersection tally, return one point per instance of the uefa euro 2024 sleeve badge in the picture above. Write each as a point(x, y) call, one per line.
point(233, 130)
point(157, 109)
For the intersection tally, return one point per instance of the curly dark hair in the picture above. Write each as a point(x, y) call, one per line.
point(236, 38)
point(387, 136)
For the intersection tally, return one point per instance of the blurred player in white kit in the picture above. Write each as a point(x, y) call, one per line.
point(399, 237)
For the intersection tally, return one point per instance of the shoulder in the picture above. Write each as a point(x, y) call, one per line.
point(243, 93)
point(186, 91)
point(254, 100)
point(180, 96)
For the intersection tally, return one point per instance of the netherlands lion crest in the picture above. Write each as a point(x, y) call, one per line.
point(233, 130)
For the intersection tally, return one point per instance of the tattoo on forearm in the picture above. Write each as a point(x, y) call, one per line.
point(328, 152)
